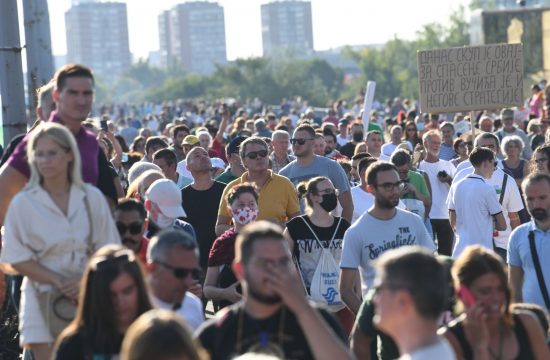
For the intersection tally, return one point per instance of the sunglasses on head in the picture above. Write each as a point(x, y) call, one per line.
point(254, 154)
point(181, 273)
point(299, 141)
point(134, 228)
point(121, 256)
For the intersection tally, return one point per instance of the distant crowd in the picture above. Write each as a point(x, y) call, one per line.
point(234, 229)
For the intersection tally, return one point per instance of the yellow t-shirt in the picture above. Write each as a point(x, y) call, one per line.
point(277, 198)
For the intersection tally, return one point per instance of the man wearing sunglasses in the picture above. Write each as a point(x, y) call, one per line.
point(308, 165)
point(278, 200)
point(131, 222)
point(173, 264)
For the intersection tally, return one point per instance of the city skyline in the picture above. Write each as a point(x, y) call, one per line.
point(335, 23)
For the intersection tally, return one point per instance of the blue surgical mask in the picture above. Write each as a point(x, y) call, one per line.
point(420, 126)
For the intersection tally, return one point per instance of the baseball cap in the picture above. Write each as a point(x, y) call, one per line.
point(190, 140)
point(235, 144)
point(166, 194)
point(343, 121)
point(217, 163)
point(507, 113)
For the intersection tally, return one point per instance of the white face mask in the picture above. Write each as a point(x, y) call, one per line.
point(163, 221)
point(245, 215)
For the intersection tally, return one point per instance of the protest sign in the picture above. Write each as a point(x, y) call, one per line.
point(470, 78)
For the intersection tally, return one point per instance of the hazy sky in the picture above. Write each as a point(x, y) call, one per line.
point(335, 22)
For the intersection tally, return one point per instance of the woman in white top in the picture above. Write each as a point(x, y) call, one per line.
point(52, 227)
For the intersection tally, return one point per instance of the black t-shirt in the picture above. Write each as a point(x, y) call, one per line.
point(223, 339)
point(307, 249)
point(78, 347)
point(386, 348)
point(201, 208)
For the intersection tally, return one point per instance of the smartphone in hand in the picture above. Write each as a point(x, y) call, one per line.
point(466, 296)
point(103, 124)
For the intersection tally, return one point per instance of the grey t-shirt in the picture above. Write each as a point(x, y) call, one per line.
point(369, 237)
point(320, 166)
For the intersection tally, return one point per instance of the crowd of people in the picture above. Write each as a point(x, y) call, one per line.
point(214, 230)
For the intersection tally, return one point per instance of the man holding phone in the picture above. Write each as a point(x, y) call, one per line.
point(441, 173)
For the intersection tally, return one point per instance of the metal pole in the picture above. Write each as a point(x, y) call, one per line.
point(40, 66)
point(11, 72)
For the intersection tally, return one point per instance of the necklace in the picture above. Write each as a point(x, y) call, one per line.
point(500, 343)
point(264, 345)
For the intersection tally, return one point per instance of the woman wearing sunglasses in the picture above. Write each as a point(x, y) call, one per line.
point(220, 284)
point(411, 134)
point(52, 227)
point(113, 295)
point(311, 234)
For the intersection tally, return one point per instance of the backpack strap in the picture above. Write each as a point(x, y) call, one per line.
point(503, 188)
point(316, 237)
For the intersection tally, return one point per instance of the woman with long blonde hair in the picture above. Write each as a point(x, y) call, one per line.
point(51, 228)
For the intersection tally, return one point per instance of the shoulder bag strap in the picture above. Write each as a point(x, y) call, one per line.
point(316, 237)
point(503, 188)
point(540, 276)
point(89, 238)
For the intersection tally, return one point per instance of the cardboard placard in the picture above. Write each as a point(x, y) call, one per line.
point(470, 78)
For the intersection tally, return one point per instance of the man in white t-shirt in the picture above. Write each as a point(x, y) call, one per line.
point(173, 263)
point(408, 304)
point(383, 227)
point(473, 205)
point(505, 188)
point(395, 136)
point(441, 173)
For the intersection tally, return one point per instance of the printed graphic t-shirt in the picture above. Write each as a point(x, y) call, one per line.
point(369, 237)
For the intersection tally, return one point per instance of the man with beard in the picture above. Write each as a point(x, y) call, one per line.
point(527, 285)
point(131, 222)
point(274, 316)
point(309, 165)
point(330, 148)
point(441, 173)
point(381, 228)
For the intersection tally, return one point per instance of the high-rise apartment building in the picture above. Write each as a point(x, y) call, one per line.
point(97, 36)
point(287, 26)
point(192, 35)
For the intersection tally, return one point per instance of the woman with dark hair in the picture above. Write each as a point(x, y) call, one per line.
point(113, 294)
point(220, 284)
point(138, 145)
point(311, 234)
point(541, 159)
point(488, 329)
point(411, 134)
point(461, 151)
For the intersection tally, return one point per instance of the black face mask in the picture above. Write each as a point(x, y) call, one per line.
point(329, 202)
point(358, 137)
